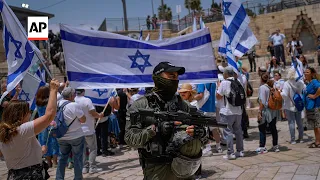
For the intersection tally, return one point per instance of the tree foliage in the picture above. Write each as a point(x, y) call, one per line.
point(166, 14)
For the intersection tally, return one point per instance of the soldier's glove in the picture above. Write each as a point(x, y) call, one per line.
point(199, 132)
point(166, 128)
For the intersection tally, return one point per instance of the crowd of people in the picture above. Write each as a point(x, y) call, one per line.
point(70, 132)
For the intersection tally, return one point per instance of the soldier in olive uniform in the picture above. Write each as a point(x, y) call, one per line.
point(152, 139)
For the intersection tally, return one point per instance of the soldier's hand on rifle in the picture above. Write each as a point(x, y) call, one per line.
point(196, 131)
point(167, 128)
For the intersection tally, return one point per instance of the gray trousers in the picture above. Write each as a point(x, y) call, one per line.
point(91, 143)
point(234, 127)
point(294, 117)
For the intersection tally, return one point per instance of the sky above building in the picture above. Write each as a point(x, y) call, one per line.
point(92, 12)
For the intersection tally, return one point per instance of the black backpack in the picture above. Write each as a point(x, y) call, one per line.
point(237, 96)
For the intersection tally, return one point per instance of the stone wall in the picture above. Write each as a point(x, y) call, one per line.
point(288, 21)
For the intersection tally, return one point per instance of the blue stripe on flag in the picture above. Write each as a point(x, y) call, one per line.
point(24, 66)
point(242, 48)
point(232, 62)
point(121, 43)
point(97, 100)
point(236, 22)
point(1, 5)
point(103, 78)
point(222, 50)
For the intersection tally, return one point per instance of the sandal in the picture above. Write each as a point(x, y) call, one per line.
point(314, 145)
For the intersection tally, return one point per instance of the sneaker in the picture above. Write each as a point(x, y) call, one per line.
point(230, 156)
point(206, 150)
point(300, 141)
point(95, 170)
point(261, 150)
point(70, 165)
point(293, 142)
point(219, 149)
point(85, 170)
point(240, 154)
point(275, 148)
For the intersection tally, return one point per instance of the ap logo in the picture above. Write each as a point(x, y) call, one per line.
point(38, 28)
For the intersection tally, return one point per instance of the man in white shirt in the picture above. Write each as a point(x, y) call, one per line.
point(231, 115)
point(277, 38)
point(294, 47)
point(89, 131)
point(73, 140)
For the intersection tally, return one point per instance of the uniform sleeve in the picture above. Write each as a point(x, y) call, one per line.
point(27, 130)
point(136, 136)
point(200, 88)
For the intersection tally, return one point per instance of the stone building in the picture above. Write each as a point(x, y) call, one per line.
point(22, 14)
point(303, 22)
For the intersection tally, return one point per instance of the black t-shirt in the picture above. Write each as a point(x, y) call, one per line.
point(123, 101)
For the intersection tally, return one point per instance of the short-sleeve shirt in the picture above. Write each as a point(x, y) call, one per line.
point(209, 106)
point(86, 105)
point(72, 111)
point(24, 150)
point(227, 109)
point(277, 39)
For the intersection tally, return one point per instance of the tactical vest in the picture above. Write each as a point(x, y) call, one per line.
point(155, 151)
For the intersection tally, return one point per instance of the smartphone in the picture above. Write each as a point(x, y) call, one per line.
point(65, 79)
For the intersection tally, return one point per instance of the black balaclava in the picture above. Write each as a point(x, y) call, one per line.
point(165, 88)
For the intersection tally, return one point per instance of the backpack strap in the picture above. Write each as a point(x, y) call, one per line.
point(72, 122)
point(62, 106)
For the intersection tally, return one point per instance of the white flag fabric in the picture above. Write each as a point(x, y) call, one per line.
point(160, 32)
point(100, 97)
point(237, 26)
point(29, 88)
point(96, 60)
point(148, 37)
point(298, 66)
point(20, 53)
point(194, 26)
point(202, 25)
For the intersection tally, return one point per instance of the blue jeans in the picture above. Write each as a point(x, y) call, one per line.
point(294, 117)
point(66, 146)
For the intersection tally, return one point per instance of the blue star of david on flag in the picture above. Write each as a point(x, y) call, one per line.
point(228, 47)
point(226, 6)
point(143, 66)
point(17, 44)
point(101, 92)
point(26, 95)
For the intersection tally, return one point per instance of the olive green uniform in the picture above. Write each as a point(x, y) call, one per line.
point(156, 164)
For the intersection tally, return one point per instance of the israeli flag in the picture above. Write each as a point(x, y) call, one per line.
point(100, 97)
point(148, 37)
point(140, 38)
point(202, 25)
point(29, 89)
point(298, 66)
point(142, 91)
point(20, 53)
point(160, 32)
point(236, 25)
point(96, 60)
point(194, 26)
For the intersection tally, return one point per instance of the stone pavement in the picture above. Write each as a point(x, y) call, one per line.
point(293, 162)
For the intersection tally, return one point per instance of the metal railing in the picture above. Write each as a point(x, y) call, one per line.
point(253, 7)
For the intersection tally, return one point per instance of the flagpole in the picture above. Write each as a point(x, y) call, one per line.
point(24, 33)
point(105, 108)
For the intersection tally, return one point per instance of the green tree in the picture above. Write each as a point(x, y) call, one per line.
point(187, 5)
point(250, 12)
point(195, 6)
point(165, 13)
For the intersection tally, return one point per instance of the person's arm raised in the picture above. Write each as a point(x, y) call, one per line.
point(44, 121)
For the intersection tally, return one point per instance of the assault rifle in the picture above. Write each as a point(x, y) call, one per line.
point(194, 117)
